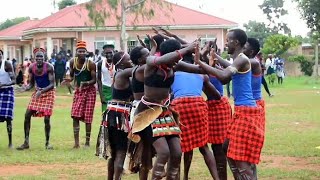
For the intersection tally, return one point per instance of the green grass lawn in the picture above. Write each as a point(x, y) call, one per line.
point(292, 135)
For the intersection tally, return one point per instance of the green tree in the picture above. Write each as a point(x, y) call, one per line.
point(65, 3)
point(100, 10)
point(12, 22)
point(258, 30)
point(279, 44)
point(274, 10)
point(310, 11)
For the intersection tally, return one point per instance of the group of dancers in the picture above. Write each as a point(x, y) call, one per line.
point(162, 100)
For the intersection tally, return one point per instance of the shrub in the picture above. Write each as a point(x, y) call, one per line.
point(305, 64)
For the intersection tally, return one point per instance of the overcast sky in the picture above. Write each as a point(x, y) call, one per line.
point(228, 9)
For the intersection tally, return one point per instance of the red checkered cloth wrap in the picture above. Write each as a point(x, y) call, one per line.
point(262, 104)
point(83, 103)
point(219, 116)
point(193, 112)
point(246, 135)
point(43, 105)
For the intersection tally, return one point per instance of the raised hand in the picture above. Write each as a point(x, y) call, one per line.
point(192, 46)
point(197, 54)
point(156, 31)
point(152, 41)
point(166, 32)
point(140, 41)
point(138, 37)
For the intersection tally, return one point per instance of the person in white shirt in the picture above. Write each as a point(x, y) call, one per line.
point(270, 66)
point(105, 74)
point(7, 80)
point(70, 88)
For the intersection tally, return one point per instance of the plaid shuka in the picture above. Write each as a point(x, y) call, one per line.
point(43, 105)
point(84, 100)
point(261, 103)
point(6, 103)
point(193, 113)
point(219, 116)
point(246, 135)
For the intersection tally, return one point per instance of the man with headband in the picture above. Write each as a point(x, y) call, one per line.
point(105, 74)
point(106, 71)
point(245, 136)
point(84, 73)
point(42, 100)
point(7, 79)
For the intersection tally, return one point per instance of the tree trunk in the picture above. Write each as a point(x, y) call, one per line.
point(316, 64)
point(123, 27)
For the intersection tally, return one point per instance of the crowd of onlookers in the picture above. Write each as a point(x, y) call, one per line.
point(59, 60)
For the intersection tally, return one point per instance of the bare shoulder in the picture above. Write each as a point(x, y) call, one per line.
point(92, 65)
point(31, 65)
point(71, 60)
point(151, 59)
point(243, 57)
point(50, 66)
point(141, 68)
point(255, 65)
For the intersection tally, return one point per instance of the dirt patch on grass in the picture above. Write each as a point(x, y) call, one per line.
point(61, 170)
point(291, 163)
point(305, 91)
point(277, 105)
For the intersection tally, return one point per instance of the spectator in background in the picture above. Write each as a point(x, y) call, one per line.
point(8, 60)
point(97, 56)
point(26, 64)
point(19, 79)
point(53, 54)
point(279, 63)
point(59, 69)
point(67, 75)
point(270, 69)
point(69, 53)
point(62, 52)
point(263, 67)
point(14, 64)
point(90, 56)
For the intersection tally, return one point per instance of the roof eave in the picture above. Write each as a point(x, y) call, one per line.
point(10, 38)
point(113, 28)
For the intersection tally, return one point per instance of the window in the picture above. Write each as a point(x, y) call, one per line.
point(37, 44)
point(205, 38)
point(131, 44)
point(99, 42)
